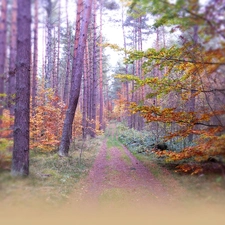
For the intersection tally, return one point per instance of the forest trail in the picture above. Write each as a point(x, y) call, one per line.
point(117, 178)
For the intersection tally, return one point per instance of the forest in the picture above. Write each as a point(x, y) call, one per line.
point(80, 79)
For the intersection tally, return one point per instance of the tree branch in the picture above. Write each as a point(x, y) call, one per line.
point(186, 61)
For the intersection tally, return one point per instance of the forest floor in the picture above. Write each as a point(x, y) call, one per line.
point(120, 182)
point(113, 186)
point(119, 179)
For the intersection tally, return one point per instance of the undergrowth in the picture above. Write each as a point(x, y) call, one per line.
point(142, 141)
point(209, 185)
point(52, 178)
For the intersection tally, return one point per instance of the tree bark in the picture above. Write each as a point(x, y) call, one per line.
point(129, 123)
point(94, 83)
point(20, 161)
point(48, 63)
point(84, 106)
point(66, 86)
point(12, 59)
point(35, 55)
point(58, 52)
point(88, 61)
point(191, 104)
point(101, 101)
point(3, 29)
point(76, 81)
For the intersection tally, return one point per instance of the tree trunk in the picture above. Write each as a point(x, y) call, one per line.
point(54, 61)
point(48, 63)
point(3, 29)
point(35, 56)
point(66, 86)
point(12, 59)
point(94, 83)
point(76, 44)
point(101, 116)
point(76, 81)
point(129, 123)
point(88, 128)
point(58, 53)
point(84, 109)
point(191, 106)
point(20, 161)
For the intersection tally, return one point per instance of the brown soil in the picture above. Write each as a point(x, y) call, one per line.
point(118, 178)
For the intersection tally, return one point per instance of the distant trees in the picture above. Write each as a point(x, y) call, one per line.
point(50, 76)
point(184, 88)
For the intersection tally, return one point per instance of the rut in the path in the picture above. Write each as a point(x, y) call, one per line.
point(118, 176)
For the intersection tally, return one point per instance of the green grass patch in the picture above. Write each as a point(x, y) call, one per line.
point(190, 189)
point(108, 156)
point(113, 142)
point(126, 159)
point(52, 178)
point(150, 163)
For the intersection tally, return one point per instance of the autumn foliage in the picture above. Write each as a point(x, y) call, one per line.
point(46, 121)
point(6, 141)
point(183, 83)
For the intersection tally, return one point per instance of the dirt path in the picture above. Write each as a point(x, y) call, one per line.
point(118, 178)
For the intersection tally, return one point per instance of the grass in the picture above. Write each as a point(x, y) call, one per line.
point(108, 156)
point(113, 142)
point(197, 189)
point(126, 158)
point(207, 187)
point(150, 162)
point(52, 178)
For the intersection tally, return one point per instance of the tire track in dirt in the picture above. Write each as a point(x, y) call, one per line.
point(117, 177)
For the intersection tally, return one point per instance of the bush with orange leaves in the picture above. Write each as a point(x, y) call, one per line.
point(46, 121)
point(6, 141)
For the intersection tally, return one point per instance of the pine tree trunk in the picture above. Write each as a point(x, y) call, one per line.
point(94, 83)
point(76, 45)
point(191, 104)
point(84, 109)
point(101, 101)
point(88, 128)
point(54, 61)
point(3, 29)
point(48, 63)
point(66, 86)
point(35, 56)
point(58, 53)
point(12, 59)
point(76, 81)
point(20, 160)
